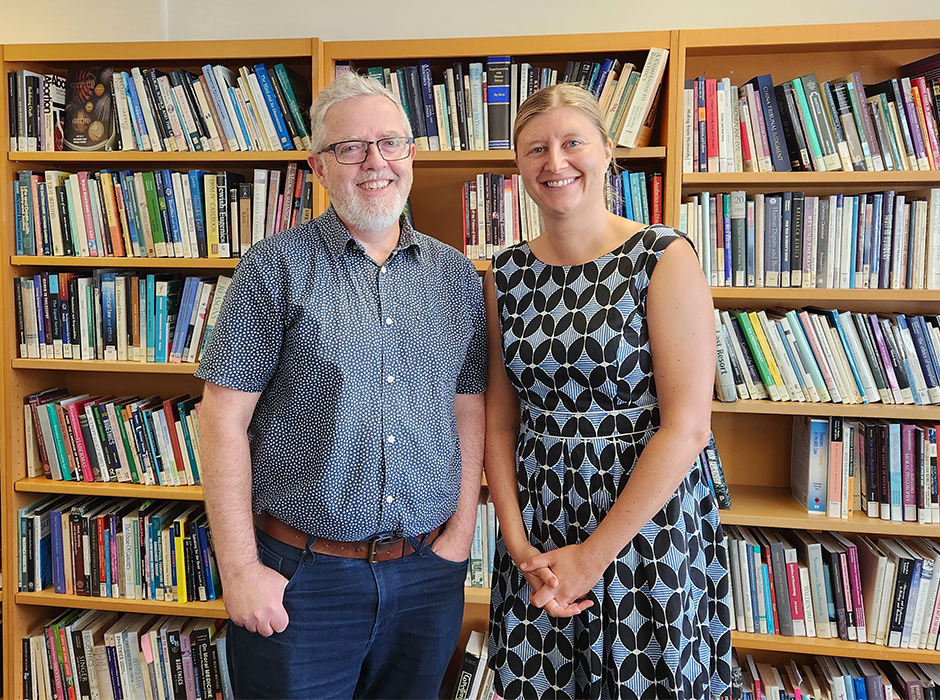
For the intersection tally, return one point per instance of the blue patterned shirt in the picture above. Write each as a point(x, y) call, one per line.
point(358, 364)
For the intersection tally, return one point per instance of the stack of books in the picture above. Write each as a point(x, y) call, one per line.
point(833, 677)
point(118, 548)
point(116, 315)
point(97, 108)
point(79, 437)
point(474, 109)
point(105, 654)
point(817, 355)
point(877, 240)
point(885, 469)
point(876, 590)
point(805, 125)
point(160, 213)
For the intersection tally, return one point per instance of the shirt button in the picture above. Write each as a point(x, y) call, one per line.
point(390, 379)
point(391, 438)
point(389, 321)
point(389, 499)
point(383, 270)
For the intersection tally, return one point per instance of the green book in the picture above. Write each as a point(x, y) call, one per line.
point(763, 369)
point(808, 125)
point(59, 442)
point(153, 209)
point(131, 459)
point(806, 352)
point(297, 110)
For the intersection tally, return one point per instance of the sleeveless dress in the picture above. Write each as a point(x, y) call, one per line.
point(576, 346)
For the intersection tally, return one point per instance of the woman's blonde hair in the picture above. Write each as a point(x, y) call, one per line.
point(560, 95)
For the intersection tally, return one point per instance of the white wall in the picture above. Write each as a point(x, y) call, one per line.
point(34, 21)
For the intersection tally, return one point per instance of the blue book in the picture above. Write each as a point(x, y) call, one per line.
point(264, 80)
point(836, 320)
point(160, 320)
point(773, 210)
point(65, 322)
point(877, 221)
point(923, 348)
point(26, 213)
point(726, 237)
point(239, 117)
point(602, 72)
point(108, 315)
point(196, 185)
point(792, 359)
point(37, 290)
point(170, 195)
point(636, 188)
point(768, 599)
point(151, 323)
point(894, 472)
point(190, 286)
point(427, 97)
point(17, 214)
point(215, 95)
point(498, 102)
point(56, 541)
point(137, 114)
point(128, 193)
point(627, 195)
point(45, 233)
point(204, 555)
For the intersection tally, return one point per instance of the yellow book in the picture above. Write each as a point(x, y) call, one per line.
point(212, 215)
point(768, 354)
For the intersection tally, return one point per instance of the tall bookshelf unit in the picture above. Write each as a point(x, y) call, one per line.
point(21, 377)
point(754, 436)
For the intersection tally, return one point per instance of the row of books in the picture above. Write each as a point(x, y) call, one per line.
point(818, 355)
point(885, 469)
point(79, 437)
point(805, 125)
point(823, 584)
point(475, 109)
point(877, 240)
point(97, 108)
point(111, 656)
point(161, 213)
point(118, 548)
point(498, 212)
point(475, 679)
point(833, 678)
point(116, 315)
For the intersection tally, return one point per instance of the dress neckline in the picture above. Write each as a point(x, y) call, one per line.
point(615, 251)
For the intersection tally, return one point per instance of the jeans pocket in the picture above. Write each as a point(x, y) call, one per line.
point(456, 564)
point(286, 566)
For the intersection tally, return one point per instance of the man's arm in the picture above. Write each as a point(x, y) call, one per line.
point(253, 592)
point(454, 542)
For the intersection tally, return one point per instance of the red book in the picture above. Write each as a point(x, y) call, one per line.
point(711, 124)
point(172, 418)
point(86, 214)
point(75, 409)
point(656, 209)
point(34, 182)
point(295, 202)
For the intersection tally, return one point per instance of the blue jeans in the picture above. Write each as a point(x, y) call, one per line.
point(357, 630)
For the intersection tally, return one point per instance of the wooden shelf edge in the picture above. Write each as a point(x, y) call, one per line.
point(828, 647)
point(476, 596)
point(212, 608)
point(796, 408)
point(168, 263)
point(102, 366)
point(218, 50)
point(195, 158)
point(800, 179)
point(743, 295)
point(769, 506)
point(109, 489)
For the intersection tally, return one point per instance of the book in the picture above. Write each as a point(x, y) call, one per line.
point(89, 110)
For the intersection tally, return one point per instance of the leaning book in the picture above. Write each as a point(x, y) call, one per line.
point(89, 110)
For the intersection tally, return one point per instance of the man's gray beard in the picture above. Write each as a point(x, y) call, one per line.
point(357, 213)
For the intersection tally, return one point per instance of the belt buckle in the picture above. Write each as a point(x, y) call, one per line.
point(373, 545)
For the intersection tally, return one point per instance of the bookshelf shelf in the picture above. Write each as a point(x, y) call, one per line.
point(157, 263)
point(196, 159)
point(794, 408)
point(211, 608)
point(102, 366)
point(477, 596)
point(161, 51)
point(828, 647)
point(110, 489)
point(800, 180)
point(508, 157)
point(796, 295)
point(767, 506)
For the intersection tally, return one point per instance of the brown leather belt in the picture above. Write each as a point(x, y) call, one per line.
point(380, 549)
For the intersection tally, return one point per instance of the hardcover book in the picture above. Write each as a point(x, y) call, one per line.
point(89, 110)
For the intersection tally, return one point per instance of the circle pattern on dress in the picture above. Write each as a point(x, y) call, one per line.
point(576, 347)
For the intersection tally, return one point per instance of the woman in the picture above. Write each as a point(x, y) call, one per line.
point(610, 578)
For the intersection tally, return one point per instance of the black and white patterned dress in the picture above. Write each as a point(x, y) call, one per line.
point(576, 345)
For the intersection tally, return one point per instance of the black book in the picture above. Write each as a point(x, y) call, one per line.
point(161, 117)
point(176, 662)
point(292, 129)
point(462, 119)
point(906, 567)
point(786, 219)
point(64, 222)
point(12, 111)
point(413, 90)
point(833, 567)
point(796, 239)
point(27, 665)
point(202, 661)
point(792, 130)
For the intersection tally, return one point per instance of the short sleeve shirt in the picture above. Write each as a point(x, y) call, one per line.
point(358, 365)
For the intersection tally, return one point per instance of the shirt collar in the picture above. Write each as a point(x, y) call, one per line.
point(339, 241)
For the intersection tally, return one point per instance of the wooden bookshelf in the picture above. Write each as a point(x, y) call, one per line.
point(23, 376)
point(754, 436)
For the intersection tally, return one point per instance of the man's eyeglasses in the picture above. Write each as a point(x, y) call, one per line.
point(355, 152)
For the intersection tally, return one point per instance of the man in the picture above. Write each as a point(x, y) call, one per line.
point(343, 407)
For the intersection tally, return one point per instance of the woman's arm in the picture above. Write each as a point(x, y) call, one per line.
point(680, 320)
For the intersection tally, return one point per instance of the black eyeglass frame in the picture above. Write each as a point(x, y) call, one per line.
point(365, 155)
